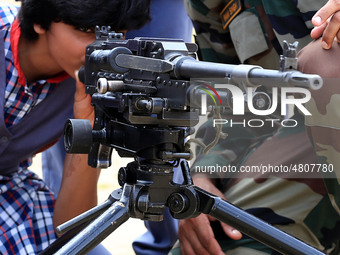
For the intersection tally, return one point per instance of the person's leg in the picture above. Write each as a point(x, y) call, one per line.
point(169, 20)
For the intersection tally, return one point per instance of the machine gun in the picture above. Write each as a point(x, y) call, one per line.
point(140, 89)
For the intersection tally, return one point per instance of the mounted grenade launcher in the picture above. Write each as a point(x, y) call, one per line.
point(146, 100)
point(144, 86)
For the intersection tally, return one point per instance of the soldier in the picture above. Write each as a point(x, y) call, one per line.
point(252, 32)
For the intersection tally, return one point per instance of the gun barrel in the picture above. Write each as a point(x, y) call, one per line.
point(248, 75)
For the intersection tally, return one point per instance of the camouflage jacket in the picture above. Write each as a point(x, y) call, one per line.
point(288, 20)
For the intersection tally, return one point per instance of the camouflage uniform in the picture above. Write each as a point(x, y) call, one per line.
point(296, 202)
point(323, 126)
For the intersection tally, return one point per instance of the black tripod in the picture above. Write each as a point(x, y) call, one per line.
point(148, 188)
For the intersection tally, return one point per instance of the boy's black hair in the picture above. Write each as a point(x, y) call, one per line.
point(119, 14)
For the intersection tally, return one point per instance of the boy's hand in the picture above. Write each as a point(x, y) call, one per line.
point(82, 108)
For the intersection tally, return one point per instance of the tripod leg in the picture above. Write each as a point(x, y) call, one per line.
point(253, 226)
point(87, 216)
point(101, 227)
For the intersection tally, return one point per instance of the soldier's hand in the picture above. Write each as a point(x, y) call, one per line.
point(327, 23)
point(196, 235)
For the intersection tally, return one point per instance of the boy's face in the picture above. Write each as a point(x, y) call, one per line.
point(67, 46)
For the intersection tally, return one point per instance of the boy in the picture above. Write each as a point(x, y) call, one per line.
point(44, 44)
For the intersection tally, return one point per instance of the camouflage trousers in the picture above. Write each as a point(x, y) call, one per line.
point(323, 125)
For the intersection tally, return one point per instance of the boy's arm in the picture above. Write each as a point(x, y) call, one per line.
point(78, 191)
